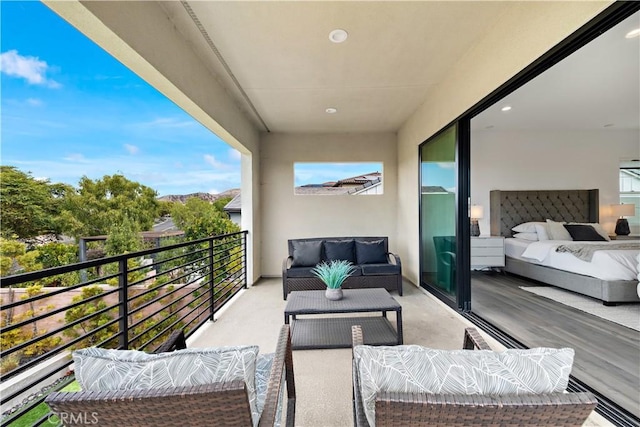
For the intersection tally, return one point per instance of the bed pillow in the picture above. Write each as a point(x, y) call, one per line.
point(557, 231)
point(542, 230)
point(527, 227)
point(584, 233)
point(599, 228)
point(527, 236)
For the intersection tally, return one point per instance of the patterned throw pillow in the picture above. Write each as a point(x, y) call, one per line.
point(105, 369)
point(416, 369)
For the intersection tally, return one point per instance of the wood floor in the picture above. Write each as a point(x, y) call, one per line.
point(607, 355)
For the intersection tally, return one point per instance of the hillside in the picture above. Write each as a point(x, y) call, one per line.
point(204, 196)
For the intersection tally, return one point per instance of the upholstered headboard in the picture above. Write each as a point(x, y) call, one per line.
point(510, 208)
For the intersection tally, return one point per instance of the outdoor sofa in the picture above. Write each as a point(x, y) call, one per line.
point(375, 266)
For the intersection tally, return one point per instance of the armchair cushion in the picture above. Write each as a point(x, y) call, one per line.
point(416, 369)
point(306, 254)
point(99, 369)
point(339, 250)
point(380, 269)
point(373, 252)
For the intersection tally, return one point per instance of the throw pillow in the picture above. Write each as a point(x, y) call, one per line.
point(372, 252)
point(306, 254)
point(339, 250)
point(99, 369)
point(416, 369)
point(557, 231)
point(597, 226)
point(584, 233)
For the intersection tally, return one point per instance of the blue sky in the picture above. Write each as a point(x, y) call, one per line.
point(70, 109)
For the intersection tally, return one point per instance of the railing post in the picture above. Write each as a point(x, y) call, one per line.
point(211, 280)
point(123, 306)
point(244, 258)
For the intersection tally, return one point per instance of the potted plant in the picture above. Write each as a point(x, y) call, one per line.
point(333, 275)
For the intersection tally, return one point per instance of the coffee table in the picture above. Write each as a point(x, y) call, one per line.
point(322, 331)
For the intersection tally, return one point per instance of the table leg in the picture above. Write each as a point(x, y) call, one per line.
point(399, 325)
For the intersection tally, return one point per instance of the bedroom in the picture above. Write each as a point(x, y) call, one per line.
point(572, 127)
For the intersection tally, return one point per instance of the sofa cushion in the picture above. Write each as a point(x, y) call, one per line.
point(373, 252)
point(99, 369)
point(300, 272)
point(306, 253)
point(416, 369)
point(339, 250)
point(385, 269)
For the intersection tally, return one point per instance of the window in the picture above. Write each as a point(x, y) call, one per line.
point(334, 179)
point(630, 192)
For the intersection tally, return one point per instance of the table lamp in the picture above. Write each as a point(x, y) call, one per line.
point(622, 210)
point(475, 214)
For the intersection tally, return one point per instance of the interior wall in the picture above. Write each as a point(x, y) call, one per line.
point(525, 31)
point(550, 160)
point(287, 216)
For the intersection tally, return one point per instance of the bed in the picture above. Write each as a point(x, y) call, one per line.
point(610, 276)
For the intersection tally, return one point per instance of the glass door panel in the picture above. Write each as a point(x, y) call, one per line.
point(438, 172)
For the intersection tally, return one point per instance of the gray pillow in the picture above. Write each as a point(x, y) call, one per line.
point(306, 254)
point(99, 369)
point(339, 250)
point(371, 252)
point(416, 369)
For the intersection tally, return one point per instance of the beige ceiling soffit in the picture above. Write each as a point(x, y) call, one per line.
point(215, 50)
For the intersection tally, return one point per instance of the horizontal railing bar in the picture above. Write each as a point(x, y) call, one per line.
point(206, 300)
point(52, 293)
point(5, 399)
point(148, 291)
point(33, 362)
point(55, 311)
point(54, 271)
point(151, 302)
point(166, 272)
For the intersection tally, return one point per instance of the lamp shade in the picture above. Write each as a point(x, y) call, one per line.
point(623, 210)
point(477, 212)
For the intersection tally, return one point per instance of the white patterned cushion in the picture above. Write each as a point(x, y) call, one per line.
point(105, 369)
point(416, 369)
point(263, 373)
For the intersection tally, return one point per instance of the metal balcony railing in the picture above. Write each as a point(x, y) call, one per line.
point(130, 301)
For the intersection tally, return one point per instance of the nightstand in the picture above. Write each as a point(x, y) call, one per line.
point(487, 252)
point(629, 237)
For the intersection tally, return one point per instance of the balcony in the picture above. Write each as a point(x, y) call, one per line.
point(204, 289)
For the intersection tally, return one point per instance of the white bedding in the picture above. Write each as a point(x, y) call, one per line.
point(605, 265)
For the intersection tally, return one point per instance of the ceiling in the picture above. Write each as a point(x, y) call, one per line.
point(277, 62)
point(595, 88)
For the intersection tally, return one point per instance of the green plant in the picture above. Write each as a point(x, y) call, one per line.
point(334, 273)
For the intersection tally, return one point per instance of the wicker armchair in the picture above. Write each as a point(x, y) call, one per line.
point(220, 404)
point(412, 409)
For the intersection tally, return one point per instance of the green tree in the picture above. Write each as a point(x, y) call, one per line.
point(29, 206)
point(97, 205)
point(199, 219)
point(123, 238)
point(89, 326)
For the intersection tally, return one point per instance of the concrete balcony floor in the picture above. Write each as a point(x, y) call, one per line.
point(323, 377)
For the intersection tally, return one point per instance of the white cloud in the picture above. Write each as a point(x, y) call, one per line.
point(34, 102)
point(213, 191)
point(131, 149)
point(212, 161)
point(168, 122)
point(75, 157)
point(234, 154)
point(29, 68)
point(446, 165)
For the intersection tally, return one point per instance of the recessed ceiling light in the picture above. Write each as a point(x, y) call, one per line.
point(338, 36)
point(506, 108)
point(331, 110)
point(633, 33)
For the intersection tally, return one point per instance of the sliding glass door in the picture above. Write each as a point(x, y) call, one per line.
point(438, 189)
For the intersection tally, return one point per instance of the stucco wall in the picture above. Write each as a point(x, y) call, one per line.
point(524, 33)
point(287, 216)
